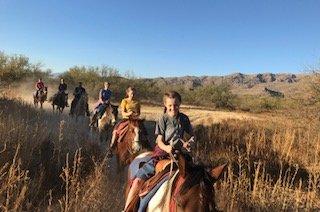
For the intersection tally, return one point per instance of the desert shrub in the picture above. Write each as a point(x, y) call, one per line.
point(222, 96)
point(270, 103)
point(14, 68)
point(315, 86)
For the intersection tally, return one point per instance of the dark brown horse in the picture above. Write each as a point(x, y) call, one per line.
point(132, 142)
point(80, 108)
point(41, 97)
point(59, 101)
point(190, 190)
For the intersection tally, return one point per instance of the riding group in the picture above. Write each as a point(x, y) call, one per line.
point(166, 177)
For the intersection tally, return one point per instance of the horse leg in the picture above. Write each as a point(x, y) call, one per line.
point(119, 166)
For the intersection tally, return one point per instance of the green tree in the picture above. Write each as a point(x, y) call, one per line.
point(222, 96)
point(15, 68)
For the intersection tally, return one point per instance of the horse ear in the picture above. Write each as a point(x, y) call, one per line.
point(216, 172)
point(182, 165)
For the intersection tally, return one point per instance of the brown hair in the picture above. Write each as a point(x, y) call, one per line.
point(171, 95)
point(128, 89)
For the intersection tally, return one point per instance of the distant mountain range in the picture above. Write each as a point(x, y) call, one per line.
point(237, 79)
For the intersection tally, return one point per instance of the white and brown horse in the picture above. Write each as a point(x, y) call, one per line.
point(132, 141)
point(40, 97)
point(190, 188)
point(105, 123)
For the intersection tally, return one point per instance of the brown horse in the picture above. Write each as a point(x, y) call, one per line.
point(132, 142)
point(104, 125)
point(40, 98)
point(190, 189)
point(197, 191)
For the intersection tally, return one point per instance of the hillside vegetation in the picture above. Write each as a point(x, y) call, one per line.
point(236, 91)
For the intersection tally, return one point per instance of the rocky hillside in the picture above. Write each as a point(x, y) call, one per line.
point(236, 80)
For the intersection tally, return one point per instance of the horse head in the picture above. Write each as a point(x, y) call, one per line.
point(109, 116)
point(197, 191)
point(133, 141)
point(138, 134)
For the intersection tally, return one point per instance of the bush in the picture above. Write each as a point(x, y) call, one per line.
point(222, 96)
point(17, 67)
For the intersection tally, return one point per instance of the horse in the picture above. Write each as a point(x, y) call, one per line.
point(79, 107)
point(132, 142)
point(190, 189)
point(58, 100)
point(41, 97)
point(104, 124)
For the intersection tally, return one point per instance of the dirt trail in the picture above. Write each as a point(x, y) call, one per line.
point(197, 115)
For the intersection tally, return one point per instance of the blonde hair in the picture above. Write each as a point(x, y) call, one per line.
point(171, 95)
point(128, 89)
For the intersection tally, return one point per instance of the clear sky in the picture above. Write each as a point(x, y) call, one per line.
point(165, 37)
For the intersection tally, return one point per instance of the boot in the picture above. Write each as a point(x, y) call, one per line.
point(88, 112)
point(93, 120)
point(113, 140)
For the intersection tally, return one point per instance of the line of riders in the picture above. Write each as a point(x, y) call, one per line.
point(171, 128)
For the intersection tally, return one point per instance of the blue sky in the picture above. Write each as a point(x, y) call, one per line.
point(167, 37)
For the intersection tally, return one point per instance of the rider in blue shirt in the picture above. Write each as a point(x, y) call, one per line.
point(104, 100)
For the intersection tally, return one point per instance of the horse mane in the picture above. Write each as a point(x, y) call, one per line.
point(123, 147)
point(198, 175)
point(107, 116)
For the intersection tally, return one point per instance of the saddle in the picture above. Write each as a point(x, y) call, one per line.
point(151, 186)
point(153, 181)
point(102, 109)
point(161, 165)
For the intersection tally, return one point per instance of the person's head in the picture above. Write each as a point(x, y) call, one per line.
point(80, 84)
point(40, 80)
point(172, 102)
point(61, 80)
point(130, 92)
point(106, 85)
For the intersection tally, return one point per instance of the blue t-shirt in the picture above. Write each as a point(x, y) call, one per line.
point(105, 94)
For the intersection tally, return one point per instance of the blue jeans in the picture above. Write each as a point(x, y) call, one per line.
point(146, 171)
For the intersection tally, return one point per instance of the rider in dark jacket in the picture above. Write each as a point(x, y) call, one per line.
point(78, 92)
point(63, 90)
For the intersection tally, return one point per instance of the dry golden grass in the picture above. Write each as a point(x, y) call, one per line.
point(49, 162)
point(200, 116)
